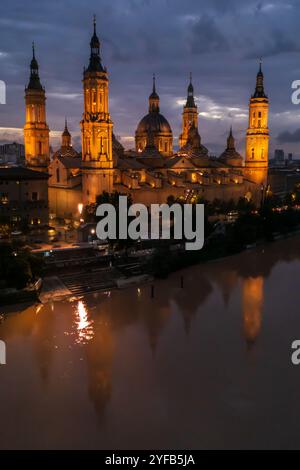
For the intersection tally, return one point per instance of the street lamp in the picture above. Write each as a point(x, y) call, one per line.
point(80, 208)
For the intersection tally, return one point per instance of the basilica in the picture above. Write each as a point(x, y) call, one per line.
point(151, 172)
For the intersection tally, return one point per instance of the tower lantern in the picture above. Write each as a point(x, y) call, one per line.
point(66, 139)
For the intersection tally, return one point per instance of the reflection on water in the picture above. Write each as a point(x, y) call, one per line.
point(253, 293)
point(84, 326)
point(122, 369)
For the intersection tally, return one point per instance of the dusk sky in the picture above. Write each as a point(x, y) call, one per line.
point(219, 41)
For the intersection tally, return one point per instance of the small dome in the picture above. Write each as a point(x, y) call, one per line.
point(153, 122)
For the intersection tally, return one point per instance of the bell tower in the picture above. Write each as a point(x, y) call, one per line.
point(36, 130)
point(257, 138)
point(189, 115)
point(96, 128)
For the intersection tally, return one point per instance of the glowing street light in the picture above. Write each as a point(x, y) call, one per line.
point(80, 208)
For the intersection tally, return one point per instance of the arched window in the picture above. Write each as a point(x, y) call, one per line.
point(252, 153)
point(57, 175)
point(94, 102)
point(262, 153)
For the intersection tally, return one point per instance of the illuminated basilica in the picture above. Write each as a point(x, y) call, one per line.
point(151, 172)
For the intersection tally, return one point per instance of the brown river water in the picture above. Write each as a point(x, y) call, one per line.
point(199, 367)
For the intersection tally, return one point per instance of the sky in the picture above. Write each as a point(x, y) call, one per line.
point(219, 41)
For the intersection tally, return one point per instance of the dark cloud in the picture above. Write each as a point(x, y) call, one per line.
point(206, 36)
point(289, 137)
point(219, 41)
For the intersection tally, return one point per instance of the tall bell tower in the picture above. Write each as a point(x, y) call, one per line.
point(189, 115)
point(96, 128)
point(257, 138)
point(36, 130)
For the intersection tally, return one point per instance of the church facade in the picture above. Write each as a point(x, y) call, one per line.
point(151, 172)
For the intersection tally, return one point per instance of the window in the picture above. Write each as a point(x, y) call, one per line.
point(57, 175)
point(262, 153)
point(94, 101)
point(4, 198)
point(252, 153)
point(259, 123)
point(166, 146)
point(34, 196)
point(40, 148)
point(259, 114)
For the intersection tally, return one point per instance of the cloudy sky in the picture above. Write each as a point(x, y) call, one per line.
point(218, 41)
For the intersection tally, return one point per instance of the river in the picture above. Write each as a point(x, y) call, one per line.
point(199, 367)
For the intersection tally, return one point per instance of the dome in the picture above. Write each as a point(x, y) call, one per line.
point(65, 152)
point(230, 156)
point(153, 122)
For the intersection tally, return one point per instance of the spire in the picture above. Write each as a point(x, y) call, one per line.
point(66, 136)
point(95, 59)
point(230, 140)
point(153, 89)
point(190, 102)
point(34, 79)
point(94, 21)
point(259, 88)
point(154, 98)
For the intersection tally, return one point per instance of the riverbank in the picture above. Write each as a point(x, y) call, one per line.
point(56, 288)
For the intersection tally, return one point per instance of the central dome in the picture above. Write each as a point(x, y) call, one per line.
point(154, 122)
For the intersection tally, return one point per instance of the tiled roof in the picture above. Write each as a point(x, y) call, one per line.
point(21, 173)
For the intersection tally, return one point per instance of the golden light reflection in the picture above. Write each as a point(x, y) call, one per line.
point(253, 296)
point(84, 326)
point(38, 309)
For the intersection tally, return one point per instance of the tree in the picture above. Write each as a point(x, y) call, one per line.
point(89, 214)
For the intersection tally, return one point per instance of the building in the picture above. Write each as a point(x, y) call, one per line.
point(12, 153)
point(153, 171)
point(156, 124)
point(24, 197)
point(65, 182)
point(36, 130)
point(24, 190)
point(257, 136)
point(279, 156)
